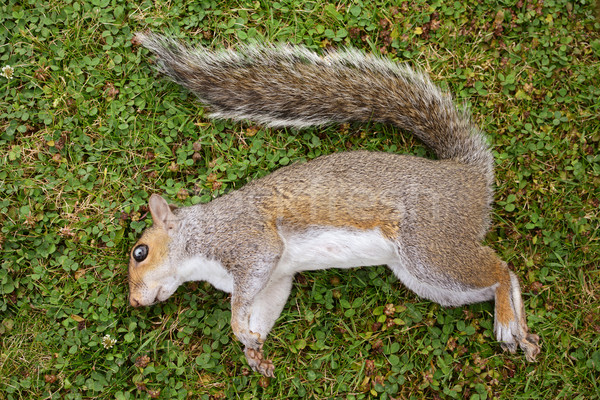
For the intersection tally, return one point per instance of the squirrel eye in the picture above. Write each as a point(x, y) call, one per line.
point(140, 253)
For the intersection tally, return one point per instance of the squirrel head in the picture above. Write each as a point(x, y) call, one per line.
point(152, 276)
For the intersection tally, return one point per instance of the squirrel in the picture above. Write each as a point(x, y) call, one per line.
point(425, 219)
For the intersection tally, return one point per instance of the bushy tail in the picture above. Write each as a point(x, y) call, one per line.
point(292, 86)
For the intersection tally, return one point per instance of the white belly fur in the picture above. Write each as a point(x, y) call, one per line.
point(323, 248)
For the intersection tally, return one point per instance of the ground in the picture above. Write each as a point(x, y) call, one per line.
point(89, 130)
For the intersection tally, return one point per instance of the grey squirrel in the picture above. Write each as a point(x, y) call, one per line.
point(424, 219)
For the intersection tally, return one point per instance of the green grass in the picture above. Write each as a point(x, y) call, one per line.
point(88, 130)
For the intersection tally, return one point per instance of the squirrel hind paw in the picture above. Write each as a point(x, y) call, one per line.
point(530, 346)
point(528, 342)
point(513, 336)
point(511, 347)
point(507, 335)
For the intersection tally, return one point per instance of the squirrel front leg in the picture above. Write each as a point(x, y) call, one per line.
point(245, 292)
point(253, 341)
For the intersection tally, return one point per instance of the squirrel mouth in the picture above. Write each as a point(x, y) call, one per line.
point(156, 298)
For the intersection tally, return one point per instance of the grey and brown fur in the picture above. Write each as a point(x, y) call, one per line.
point(424, 218)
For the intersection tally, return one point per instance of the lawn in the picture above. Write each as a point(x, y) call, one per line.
point(88, 130)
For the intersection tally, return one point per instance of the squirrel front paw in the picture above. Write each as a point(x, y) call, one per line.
point(258, 363)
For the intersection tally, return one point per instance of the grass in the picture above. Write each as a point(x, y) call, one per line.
point(89, 131)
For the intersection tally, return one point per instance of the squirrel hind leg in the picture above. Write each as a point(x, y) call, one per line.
point(510, 325)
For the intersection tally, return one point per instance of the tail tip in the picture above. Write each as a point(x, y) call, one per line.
point(143, 37)
point(139, 38)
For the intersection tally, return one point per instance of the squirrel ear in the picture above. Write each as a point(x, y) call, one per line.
point(162, 213)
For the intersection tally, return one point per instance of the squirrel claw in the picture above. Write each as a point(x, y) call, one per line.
point(530, 346)
point(258, 363)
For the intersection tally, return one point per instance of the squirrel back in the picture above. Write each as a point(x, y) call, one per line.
point(284, 85)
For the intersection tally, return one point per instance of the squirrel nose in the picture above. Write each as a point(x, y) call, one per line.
point(134, 302)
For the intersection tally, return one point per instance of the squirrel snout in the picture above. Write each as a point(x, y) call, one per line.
point(134, 302)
